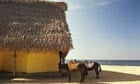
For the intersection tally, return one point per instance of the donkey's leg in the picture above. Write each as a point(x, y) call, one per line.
point(69, 74)
point(86, 71)
point(82, 75)
point(97, 73)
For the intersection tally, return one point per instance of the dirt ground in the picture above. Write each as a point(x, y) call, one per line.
point(109, 75)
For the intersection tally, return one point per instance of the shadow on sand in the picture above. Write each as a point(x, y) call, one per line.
point(109, 76)
point(105, 76)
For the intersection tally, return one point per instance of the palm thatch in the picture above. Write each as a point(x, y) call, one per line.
point(34, 25)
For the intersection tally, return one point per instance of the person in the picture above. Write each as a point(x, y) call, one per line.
point(62, 58)
point(61, 64)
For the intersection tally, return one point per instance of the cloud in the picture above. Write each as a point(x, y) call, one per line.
point(57, 0)
point(103, 3)
point(73, 6)
point(83, 4)
point(107, 2)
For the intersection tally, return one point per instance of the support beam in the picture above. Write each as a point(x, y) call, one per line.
point(14, 63)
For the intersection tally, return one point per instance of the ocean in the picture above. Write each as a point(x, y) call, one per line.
point(117, 62)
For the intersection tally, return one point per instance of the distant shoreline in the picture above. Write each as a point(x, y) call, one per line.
point(116, 62)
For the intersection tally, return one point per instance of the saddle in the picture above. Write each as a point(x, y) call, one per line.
point(73, 66)
point(89, 65)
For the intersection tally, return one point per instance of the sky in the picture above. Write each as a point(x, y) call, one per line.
point(104, 29)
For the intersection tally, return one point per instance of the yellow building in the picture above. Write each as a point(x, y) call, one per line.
point(32, 33)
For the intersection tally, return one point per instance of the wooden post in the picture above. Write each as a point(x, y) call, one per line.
point(14, 63)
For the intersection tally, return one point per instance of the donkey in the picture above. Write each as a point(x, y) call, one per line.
point(69, 67)
point(93, 66)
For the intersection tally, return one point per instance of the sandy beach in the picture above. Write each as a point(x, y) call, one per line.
point(110, 75)
point(120, 75)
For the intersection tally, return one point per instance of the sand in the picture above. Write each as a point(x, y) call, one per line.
point(109, 75)
point(120, 75)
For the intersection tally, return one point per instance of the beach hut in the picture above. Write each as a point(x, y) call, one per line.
point(32, 35)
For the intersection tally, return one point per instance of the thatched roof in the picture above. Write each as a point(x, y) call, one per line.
point(34, 25)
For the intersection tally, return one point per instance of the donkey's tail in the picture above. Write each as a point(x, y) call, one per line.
point(99, 68)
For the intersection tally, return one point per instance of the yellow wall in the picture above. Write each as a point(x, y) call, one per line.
point(1, 61)
point(30, 62)
point(7, 60)
point(21, 61)
point(42, 62)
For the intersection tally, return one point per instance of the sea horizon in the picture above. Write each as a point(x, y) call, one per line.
point(114, 62)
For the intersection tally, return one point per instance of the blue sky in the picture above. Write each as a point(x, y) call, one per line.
point(104, 29)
